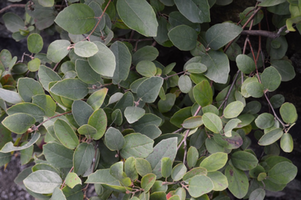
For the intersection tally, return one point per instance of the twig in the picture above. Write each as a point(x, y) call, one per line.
point(99, 19)
point(167, 77)
point(37, 127)
point(261, 33)
point(12, 6)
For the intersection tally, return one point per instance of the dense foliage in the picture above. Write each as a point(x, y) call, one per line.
point(99, 109)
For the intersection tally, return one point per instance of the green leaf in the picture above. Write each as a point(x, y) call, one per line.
point(65, 134)
point(57, 50)
point(220, 181)
point(73, 89)
point(83, 158)
point(269, 3)
point(215, 161)
point(85, 49)
point(192, 122)
point(149, 53)
point(97, 98)
point(76, 19)
point(167, 104)
point(123, 59)
point(58, 155)
point(146, 68)
point(102, 176)
point(285, 68)
point(270, 79)
point(195, 11)
point(10, 96)
point(200, 185)
point(166, 167)
point(149, 89)
point(81, 112)
point(244, 160)
point(13, 22)
point(178, 118)
point(34, 43)
point(194, 172)
point(233, 109)
point(85, 72)
point(98, 120)
point(103, 62)
point(212, 122)
point(185, 83)
point(28, 87)
point(287, 143)
point(72, 180)
point(137, 145)
point(257, 194)
point(288, 113)
point(245, 63)
point(34, 65)
point(138, 15)
point(231, 124)
point(114, 139)
point(117, 117)
point(196, 68)
point(133, 113)
point(265, 120)
point(238, 181)
point(87, 129)
point(27, 108)
point(58, 194)
point(148, 181)
point(42, 181)
point(178, 172)
point(202, 93)
point(147, 119)
point(282, 173)
point(143, 167)
point(277, 47)
point(19, 122)
point(165, 148)
point(192, 156)
point(46, 103)
point(255, 89)
point(218, 66)
point(46, 75)
point(219, 35)
point(130, 168)
point(183, 37)
point(270, 137)
point(9, 146)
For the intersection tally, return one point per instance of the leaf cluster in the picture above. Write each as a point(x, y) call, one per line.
point(98, 108)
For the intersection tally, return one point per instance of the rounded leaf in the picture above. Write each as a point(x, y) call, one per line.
point(288, 113)
point(265, 120)
point(270, 137)
point(233, 109)
point(146, 68)
point(287, 143)
point(65, 134)
point(270, 79)
point(19, 122)
point(166, 167)
point(42, 181)
point(200, 185)
point(219, 180)
point(138, 15)
point(178, 172)
point(245, 63)
point(192, 122)
point(215, 161)
point(72, 180)
point(85, 49)
point(192, 156)
point(185, 83)
point(133, 113)
point(212, 122)
point(203, 94)
point(196, 68)
point(76, 19)
point(282, 173)
point(244, 160)
point(183, 37)
point(34, 43)
point(57, 50)
point(114, 139)
point(83, 158)
point(148, 181)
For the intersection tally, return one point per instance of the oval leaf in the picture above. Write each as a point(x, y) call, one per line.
point(183, 37)
point(65, 134)
point(288, 113)
point(85, 49)
point(212, 122)
point(18, 123)
point(215, 161)
point(200, 185)
point(114, 139)
point(233, 109)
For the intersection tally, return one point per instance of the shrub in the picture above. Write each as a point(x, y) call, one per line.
point(99, 109)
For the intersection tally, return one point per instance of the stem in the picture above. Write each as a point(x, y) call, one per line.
point(275, 115)
point(182, 72)
point(186, 135)
point(260, 33)
point(99, 19)
point(12, 6)
point(63, 184)
point(38, 126)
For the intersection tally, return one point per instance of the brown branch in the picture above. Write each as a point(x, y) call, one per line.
point(12, 6)
point(260, 33)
